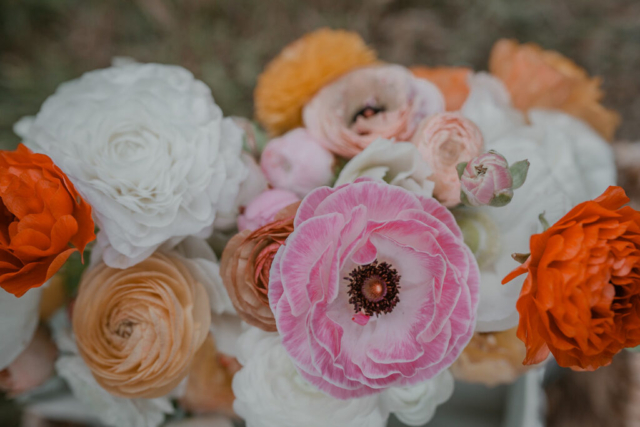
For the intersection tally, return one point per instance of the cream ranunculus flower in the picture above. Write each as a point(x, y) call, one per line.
point(148, 148)
point(396, 163)
point(111, 410)
point(18, 322)
point(138, 329)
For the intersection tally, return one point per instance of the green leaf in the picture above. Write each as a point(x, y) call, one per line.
point(460, 168)
point(543, 221)
point(519, 172)
point(500, 200)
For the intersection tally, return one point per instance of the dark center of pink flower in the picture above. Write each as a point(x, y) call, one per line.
point(373, 288)
point(367, 112)
point(481, 170)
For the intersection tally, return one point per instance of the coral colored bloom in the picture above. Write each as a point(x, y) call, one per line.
point(376, 102)
point(369, 248)
point(580, 300)
point(452, 82)
point(546, 79)
point(245, 265)
point(42, 216)
point(444, 140)
point(292, 78)
point(297, 162)
point(263, 209)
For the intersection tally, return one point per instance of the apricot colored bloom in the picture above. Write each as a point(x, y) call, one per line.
point(375, 288)
point(245, 267)
point(444, 140)
point(546, 79)
point(384, 101)
point(580, 300)
point(138, 329)
point(43, 220)
point(292, 78)
point(491, 358)
point(452, 82)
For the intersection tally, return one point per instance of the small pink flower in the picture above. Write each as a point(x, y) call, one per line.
point(444, 140)
point(374, 288)
point(488, 180)
point(384, 101)
point(263, 209)
point(296, 162)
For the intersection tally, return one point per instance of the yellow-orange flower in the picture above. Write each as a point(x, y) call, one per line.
point(452, 82)
point(300, 70)
point(138, 329)
point(547, 79)
point(491, 358)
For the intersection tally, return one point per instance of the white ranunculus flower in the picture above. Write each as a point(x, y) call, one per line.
point(416, 405)
point(489, 106)
point(148, 148)
point(397, 163)
point(271, 393)
point(18, 322)
point(111, 410)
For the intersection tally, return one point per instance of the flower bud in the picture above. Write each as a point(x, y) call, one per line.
point(487, 180)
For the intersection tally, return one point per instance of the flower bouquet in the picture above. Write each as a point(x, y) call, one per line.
point(394, 228)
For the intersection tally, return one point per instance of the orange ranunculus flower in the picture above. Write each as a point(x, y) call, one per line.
point(302, 68)
point(581, 298)
point(41, 216)
point(452, 82)
point(546, 79)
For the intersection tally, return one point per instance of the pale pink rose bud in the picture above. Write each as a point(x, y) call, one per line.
point(297, 162)
point(263, 209)
point(487, 180)
point(445, 140)
point(32, 367)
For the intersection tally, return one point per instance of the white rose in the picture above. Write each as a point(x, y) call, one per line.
point(489, 106)
point(148, 148)
point(397, 163)
point(111, 410)
point(416, 405)
point(18, 322)
point(270, 392)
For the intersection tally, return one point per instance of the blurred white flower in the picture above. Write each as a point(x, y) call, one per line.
point(148, 148)
point(18, 322)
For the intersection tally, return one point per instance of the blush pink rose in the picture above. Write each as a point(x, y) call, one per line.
point(374, 288)
point(297, 162)
point(263, 209)
point(369, 103)
point(485, 178)
point(444, 140)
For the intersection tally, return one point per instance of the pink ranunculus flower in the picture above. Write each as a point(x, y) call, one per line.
point(374, 288)
point(485, 177)
point(444, 140)
point(384, 101)
point(297, 162)
point(263, 209)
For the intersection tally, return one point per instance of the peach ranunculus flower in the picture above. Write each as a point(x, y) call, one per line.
point(245, 266)
point(581, 297)
point(32, 367)
point(384, 101)
point(291, 79)
point(452, 82)
point(444, 140)
point(491, 358)
point(546, 79)
point(208, 387)
point(138, 329)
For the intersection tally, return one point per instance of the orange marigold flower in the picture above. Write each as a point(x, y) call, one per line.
point(303, 67)
point(546, 79)
point(41, 215)
point(452, 82)
point(581, 298)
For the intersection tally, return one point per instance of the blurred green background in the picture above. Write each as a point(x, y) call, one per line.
point(227, 42)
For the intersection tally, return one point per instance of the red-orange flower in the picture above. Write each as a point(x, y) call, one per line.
point(581, 298)
point(41, 214)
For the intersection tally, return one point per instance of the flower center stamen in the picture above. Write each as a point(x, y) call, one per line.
point(481, 170)
point(367, 112)
point(374, 288)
